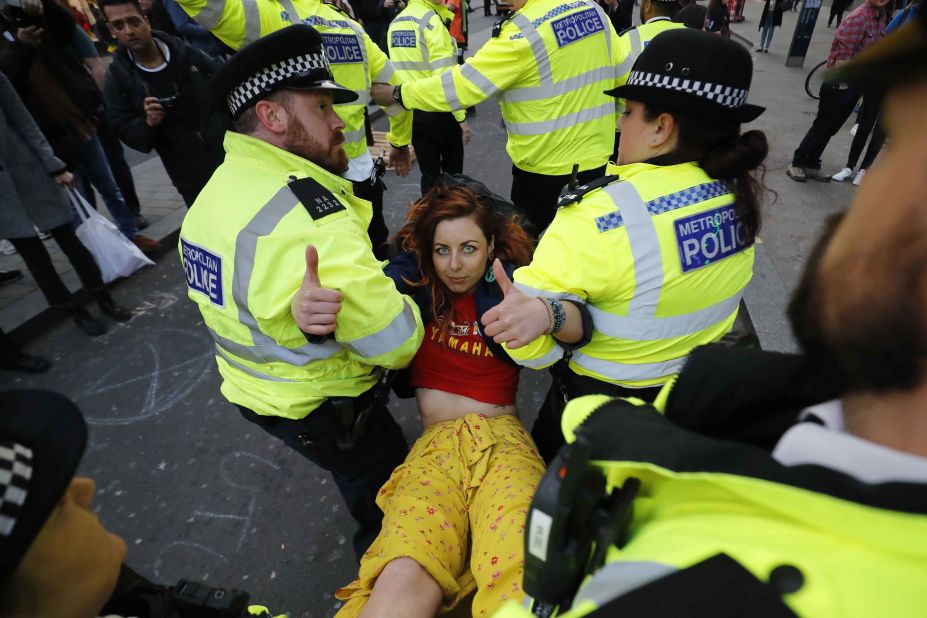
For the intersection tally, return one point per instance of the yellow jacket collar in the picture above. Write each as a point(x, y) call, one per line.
point(260, 154)
point(625, 172)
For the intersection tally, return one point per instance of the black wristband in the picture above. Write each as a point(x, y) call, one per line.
point(397, 95)
point(316, 339)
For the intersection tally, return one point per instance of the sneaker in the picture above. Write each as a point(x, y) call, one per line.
point(147, 245)
point(842, 175)
point(859, 178)
point(7, 248)
point(796, 173)
point(854, 129)
point(814, 173)
point(9, 276)
point(141, 222)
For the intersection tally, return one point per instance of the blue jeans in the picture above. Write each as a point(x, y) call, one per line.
point(95, 168)
point(766, 36)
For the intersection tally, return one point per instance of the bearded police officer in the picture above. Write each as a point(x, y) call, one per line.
point(660, 250)
point(548, 64)
point(758, 515)
point(250, 248)
point(356, 62)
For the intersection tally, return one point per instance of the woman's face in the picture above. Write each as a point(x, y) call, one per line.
point(460, 252)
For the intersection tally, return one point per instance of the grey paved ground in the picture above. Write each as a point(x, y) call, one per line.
point(198, 492)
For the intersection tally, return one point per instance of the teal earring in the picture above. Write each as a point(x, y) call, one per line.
point(490, 276)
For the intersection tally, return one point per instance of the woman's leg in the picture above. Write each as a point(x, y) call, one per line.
point(81, 259)
point(422, 545)
point(868, 114)
point(766, 39)
point(498, 514)
point(43, 271)
point(875, 146)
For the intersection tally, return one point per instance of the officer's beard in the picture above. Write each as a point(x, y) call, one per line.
point(300, 142)
point(864, 318)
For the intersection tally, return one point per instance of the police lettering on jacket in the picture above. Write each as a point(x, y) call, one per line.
point(709, 236)
point(577, 26)
point(342, 48)
point(204, 272)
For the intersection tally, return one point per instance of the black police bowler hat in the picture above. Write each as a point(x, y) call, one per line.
point(900, 56)
point(292, 58)
point(42, 438)
point(694, 73)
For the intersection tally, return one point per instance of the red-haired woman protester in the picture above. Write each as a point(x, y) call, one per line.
point(469, 479)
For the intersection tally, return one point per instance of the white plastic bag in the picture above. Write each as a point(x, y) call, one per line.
point(116, 255)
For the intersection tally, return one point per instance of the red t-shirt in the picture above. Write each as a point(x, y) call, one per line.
point(460, 362)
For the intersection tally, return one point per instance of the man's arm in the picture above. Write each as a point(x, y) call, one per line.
point(129, 123)
point(400, 120)
point(235, 22)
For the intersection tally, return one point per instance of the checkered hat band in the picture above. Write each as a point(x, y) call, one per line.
point(274, 74)
point(15, 474)
point(727, 96)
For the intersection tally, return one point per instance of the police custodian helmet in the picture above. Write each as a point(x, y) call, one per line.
point(694, 73)
point(292, 58)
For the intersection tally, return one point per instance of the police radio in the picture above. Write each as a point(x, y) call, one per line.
point(571, 525)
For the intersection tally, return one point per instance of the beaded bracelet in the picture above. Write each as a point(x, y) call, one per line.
point(557, 315)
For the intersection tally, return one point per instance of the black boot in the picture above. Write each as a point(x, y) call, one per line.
point(111, 308)
point(86, 322)
point(26, 362)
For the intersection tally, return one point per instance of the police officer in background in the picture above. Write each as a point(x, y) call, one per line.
point(250, 249)
point(421, 46)
point(658, 252)
point(760, 515)
point(548, 63)
point(656, 16)
point(356, 62)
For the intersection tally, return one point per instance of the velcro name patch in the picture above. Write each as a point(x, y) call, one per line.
point(317, 200)
point(577, 26)
point(204, 272)
point(402, 38)
point(710, 236)
point(342, 48)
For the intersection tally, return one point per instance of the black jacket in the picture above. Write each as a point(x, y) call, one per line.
point(125, 93)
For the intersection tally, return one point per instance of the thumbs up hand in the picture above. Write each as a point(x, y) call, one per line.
point(519, 319)
point(315, 308)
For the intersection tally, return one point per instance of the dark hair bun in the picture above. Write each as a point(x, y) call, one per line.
point(730, 161)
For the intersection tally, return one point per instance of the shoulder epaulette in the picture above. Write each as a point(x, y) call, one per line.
point(575, 196)
point(497, 27)
point(626, 30)
point(317, 200)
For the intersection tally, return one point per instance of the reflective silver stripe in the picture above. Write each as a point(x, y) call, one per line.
point(252, 21)
point(393, 110)
point(412, 65)
point(256, 355)
point(291, 14)
point(656, 329)
point(450, 90)
point(530, 291)
point(210, 15)
point(359, 33)
point(471, 74)
point(262, 224)
point(626, 64)
point(566, 86)
point(545, 361)
point(386, 74)
point(443, 63)
point(636, 47)
point(618, 578)
point(355, 136)
point(251, 372)
point(563, 122)
point(363, 98)
point(422, 46)
point(388, 338)
point(645, 249)
point(626, 372)
point(541, 59)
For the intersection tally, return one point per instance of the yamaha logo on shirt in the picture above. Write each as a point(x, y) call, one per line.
point(577, 26)
point(342, 48)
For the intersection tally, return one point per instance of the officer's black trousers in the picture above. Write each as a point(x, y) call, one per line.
point(438, 145)
point(377, 230)
point(547, 434)
point(359, 472)
point(536, 194)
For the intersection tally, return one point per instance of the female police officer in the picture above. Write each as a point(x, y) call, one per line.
point(656, 254)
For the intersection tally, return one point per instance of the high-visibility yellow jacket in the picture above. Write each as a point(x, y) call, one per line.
point(243, 247)
point(356, 61)
point(858, 549)
point(632, 42)
point(420, 45)
point(660, 259)
point(548, 67)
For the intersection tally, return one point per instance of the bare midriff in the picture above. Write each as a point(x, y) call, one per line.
point(438, 406)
